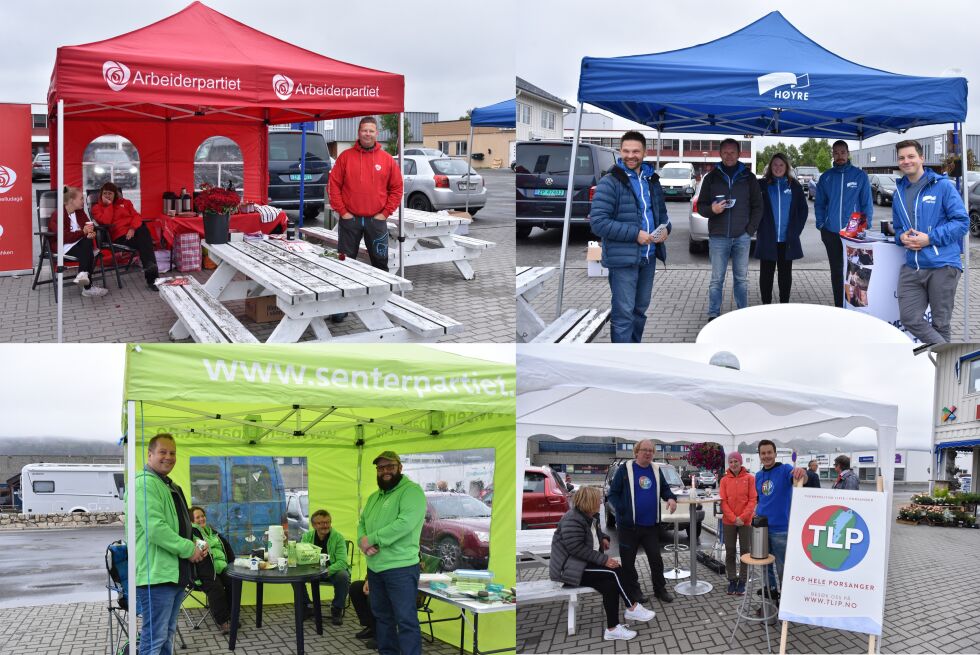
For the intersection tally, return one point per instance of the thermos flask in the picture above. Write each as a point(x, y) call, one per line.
point(760, 537)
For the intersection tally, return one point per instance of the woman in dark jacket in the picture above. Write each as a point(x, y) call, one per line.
point(783, 217)
point(79, 239)
point(577, 559)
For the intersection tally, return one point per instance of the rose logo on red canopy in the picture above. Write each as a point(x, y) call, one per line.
point(7, 178)
point(116, 75)
point(283, 86)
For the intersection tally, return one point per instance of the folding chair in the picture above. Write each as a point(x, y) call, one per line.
point(120, 256)
point(47, 204)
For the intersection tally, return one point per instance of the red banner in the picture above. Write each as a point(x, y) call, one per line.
point(16, 224)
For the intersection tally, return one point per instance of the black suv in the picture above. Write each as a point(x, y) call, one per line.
point(542, 181)
point(673, 479)
point(284, 175)
point(882, 187)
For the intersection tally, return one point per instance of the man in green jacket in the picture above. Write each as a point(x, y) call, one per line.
point(334, 545)
point(388, 534)
point(164, 548)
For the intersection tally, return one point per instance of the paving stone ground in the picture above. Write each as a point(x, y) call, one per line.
point(485, 304)
point(932, 605)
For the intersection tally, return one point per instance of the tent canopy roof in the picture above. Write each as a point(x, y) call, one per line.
point(199, 61)
point(501, 114)
point(734, 85)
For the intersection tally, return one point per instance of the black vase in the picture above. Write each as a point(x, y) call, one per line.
point(216, 227)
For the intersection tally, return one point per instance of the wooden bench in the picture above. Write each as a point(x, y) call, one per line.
point(545, 591)
point(200, 314)
point(473, 244)
point(419, 320)
point(574, 326)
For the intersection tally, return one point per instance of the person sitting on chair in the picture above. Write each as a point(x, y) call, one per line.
point(126, 228)
point(79, 239)
point(359, 592)
point(211, 571)
point(334, 545)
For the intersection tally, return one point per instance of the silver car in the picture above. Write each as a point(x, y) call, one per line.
point(699, 227)
point(432, 184)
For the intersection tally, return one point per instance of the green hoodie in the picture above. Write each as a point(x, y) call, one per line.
point(216, 548)
point(157, 562)
point(392, 521)
point(336, 548)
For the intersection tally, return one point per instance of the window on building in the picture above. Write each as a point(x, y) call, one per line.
point(461, 148)
point(867, 473)
point(547, 119)
point(974, 377)
point(899, 474)
point(523, 113)
point(444, 146)
point(43, 486)
point(39, 120)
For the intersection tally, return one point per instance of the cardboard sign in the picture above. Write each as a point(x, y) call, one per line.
point(16, 220)
point(871, 271)
point(836, 559)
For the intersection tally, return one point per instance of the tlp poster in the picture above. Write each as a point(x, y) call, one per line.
point(16, 229)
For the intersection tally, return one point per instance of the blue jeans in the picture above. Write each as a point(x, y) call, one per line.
point(631, 287)
point(393, 605)
point(159, 605)
point(720, 251)
point(341, 585)
point(777, 548)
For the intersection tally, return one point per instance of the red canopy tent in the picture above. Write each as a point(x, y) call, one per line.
point(198, 73)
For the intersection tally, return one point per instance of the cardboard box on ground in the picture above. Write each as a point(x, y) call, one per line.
point(593, 259)
point(262, 309)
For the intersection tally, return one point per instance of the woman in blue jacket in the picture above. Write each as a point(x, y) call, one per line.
point(784, 213)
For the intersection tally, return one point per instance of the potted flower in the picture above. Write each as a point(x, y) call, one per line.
point(216, 205)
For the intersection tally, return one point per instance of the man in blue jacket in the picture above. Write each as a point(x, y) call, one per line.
point(635, 493)
point(627, 210)
point(774, 485)
point(841, 191)
point(930, 221)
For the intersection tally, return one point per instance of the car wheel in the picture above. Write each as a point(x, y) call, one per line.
point(523, 525)
point(523, 231)
point(310, 212)
point(419, 202)
point(693, 247)
point(975, 223)
point(450, 553)
point(879, 199)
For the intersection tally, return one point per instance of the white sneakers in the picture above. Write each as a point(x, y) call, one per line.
point(94, 292)
point(639, 614)
point(81, 279)
point(619, 632)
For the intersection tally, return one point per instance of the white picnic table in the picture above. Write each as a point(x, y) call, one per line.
point(534, 547)
point(530, 281)
point(310, 287)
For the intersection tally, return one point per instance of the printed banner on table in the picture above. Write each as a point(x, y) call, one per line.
point(16, 225)
point(871, 271)
point(836, 558)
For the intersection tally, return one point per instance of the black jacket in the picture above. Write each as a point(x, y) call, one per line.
point(745, 216)
point(573, 549)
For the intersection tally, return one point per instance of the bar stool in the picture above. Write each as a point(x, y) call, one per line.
point(675, 573)
point(748, 610)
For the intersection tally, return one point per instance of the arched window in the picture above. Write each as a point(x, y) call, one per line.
point(112, 158)
point(218, 161)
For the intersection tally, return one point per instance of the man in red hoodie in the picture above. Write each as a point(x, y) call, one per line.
point(365, 189)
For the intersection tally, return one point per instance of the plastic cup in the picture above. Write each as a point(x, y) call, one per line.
point(324, 558)
point(253, 564)
point(282, 562)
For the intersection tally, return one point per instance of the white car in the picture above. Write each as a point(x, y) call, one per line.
point(435, 183)
point(699, 227)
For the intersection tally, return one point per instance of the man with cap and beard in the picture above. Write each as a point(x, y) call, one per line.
point(388, 534)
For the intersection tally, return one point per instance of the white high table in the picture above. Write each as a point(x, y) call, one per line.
point(693, 587)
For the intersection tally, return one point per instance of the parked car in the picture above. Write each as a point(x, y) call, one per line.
point(545, 498)
point(41, 168)
point(435, 183)
point(811, 187)
point(975, 209)
point(425, 152)
point(882, 187)
point(673, 479)
point(806, 173)
point(707, 480)
point(542, 169)
point(699, 227)
point(678, 181)
point(284, 171)
point(298, 512)
point(218, 161)
point(111, 165)
point(456, 530)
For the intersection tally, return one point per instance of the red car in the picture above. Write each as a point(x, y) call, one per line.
point(545, 498)
point(456, 530)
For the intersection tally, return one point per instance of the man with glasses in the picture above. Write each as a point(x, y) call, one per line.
point(388, 534)
point(635, 493)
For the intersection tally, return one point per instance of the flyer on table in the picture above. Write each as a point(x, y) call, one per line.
point(836, 557)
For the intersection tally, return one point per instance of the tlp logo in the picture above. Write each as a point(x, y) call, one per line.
point(283, 86)
point(775, 81)
point(7, 178)
point(835, 538)
point(116, 75)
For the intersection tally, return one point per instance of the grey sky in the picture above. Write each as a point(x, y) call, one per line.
point(452, 59)
point(899, 37)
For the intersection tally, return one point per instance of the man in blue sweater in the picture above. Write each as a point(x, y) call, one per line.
point(841, 191)
point(930, 221)
point(627, 210)
point(774, 484)
point(635, 492)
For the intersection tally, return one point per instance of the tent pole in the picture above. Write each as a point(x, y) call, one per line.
point(302, 178)
point(568, 210)
point(401, 203)
point(658, 150)
point(469, 163)
point(966, 248)
point(131, 519)
point(61, 224)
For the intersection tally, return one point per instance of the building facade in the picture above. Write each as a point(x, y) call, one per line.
point(539, 113)
point(491, 145)
point(956, 410)
point(341, 133)
point(883, 158)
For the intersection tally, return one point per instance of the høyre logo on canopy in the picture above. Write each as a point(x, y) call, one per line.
point(116, 75)
point(835, 538)
point(7, 178)
point(775, 81)
point(283, 86)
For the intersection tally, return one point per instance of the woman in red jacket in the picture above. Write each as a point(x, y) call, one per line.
point(79, 239)
point(126, 228)
point(738, 501)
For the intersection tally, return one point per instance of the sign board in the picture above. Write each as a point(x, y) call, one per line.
point(836, 559)
point(937, 145)
point(898, 458)
point(866, 459)
point(16, 201)
point(309, 126)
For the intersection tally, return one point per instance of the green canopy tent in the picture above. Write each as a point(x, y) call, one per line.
point(337, 406)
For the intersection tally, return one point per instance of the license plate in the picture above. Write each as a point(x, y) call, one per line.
point(462, 186)
point(296, 177)
point(554, 193)
point(670, 192)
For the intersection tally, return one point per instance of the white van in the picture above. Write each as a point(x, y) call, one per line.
point(678, 181)
point(67, 488)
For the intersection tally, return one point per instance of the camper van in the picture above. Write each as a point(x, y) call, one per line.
point(67, 488)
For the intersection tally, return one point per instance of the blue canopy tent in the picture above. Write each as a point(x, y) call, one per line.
point(732, 86)
point(500, 114)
